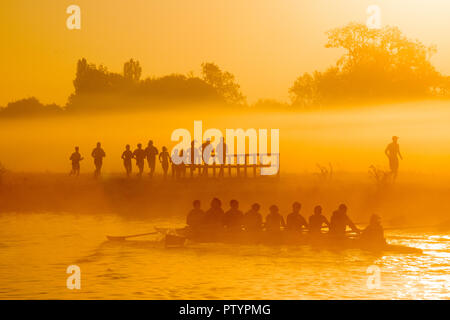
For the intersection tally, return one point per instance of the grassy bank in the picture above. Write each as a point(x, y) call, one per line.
point(418, 200)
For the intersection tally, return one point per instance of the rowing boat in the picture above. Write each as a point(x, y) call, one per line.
point(177, 237)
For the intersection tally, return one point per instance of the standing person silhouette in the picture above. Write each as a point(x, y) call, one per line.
point(139, 155)
point(222, 152)
point(151, 152)
point(206, 150)
point(193, 156)
point(164, 158)
point(127, 155)
point(181, 167)
point(98, 154)
point(76, 158)
point(174, 166)
point(393, 153)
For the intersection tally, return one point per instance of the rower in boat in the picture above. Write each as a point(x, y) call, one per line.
point(214, 216)
point(232, 219)
point(374, 233)
point(196, 216)
point(274, 224)
point(339, 222)
point(295, 221)
point(274, 220)
point(253, 219)
point(317, 221)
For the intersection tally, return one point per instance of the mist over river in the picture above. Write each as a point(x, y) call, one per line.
point(37, 248)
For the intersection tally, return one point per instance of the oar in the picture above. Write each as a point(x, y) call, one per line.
point(408, 227)
point(122, 238)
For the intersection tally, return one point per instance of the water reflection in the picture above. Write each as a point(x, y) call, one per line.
point(37, 248)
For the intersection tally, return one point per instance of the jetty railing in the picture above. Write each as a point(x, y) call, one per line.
point(241, 166)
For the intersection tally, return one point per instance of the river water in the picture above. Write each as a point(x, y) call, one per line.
point(36, 250)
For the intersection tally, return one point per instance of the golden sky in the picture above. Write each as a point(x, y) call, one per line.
point(265, 43)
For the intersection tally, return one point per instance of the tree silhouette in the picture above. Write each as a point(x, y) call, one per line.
point(224, 82)
point(97, 89)
point(30, 107)
point(132, 70)
point(378, 64)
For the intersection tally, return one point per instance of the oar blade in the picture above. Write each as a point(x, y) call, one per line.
point(112, 238)
point(174, 241)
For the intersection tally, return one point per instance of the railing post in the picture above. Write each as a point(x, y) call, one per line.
point(238, 166)
point(245, 165)
point(279, 167)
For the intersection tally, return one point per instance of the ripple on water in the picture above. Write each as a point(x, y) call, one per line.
point(33, 265)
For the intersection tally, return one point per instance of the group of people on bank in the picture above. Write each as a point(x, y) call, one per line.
point(149, 154)
point(215, 219)
point(194, 154)
point(140, 155)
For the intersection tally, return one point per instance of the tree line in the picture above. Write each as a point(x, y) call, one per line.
point(378, 65)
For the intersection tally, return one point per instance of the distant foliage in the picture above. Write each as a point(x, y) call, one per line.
point(132, 71)
point(224, 82)
point(97, 89)
point(380, 177)
point(30, 107)
point(325, 173)
point(270, 104)
point(378, 64)
point(2, 172)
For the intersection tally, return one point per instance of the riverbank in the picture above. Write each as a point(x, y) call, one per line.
point(421, 199)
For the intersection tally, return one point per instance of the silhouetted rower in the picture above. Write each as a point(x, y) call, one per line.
point(98, 154)
point(374, 233)
point(295, 221)
point(127, 155)
point(76, 158)
point(233, 218)
point(274, 220)
point(339, 222)
point(317, 220)
point(214, 216)
point(195, 218)
point(253, 219)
